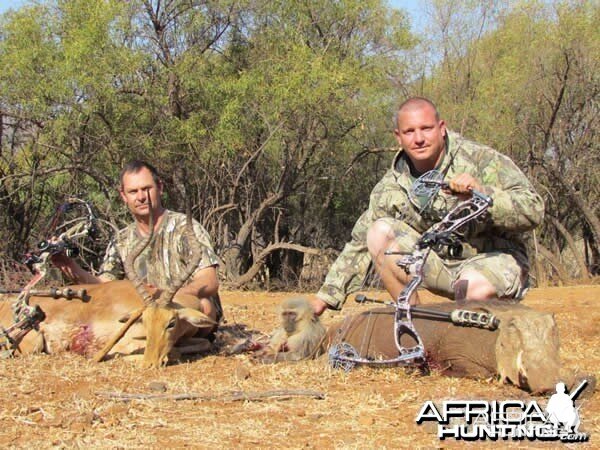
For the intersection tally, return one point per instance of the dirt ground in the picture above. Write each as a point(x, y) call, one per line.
point(51, 401)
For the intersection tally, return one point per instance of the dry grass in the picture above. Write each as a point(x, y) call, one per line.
point(49, 401)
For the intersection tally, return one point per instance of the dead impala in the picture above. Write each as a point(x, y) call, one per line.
point(88, 327)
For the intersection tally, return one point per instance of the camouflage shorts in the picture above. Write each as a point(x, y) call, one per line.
point(501, 269)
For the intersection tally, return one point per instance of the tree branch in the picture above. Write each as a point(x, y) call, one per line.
point(236, 396)
point(260, 260)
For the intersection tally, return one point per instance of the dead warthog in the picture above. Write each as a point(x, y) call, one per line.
point(524, 350)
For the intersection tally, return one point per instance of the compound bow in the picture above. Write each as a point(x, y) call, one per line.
point(65, 236)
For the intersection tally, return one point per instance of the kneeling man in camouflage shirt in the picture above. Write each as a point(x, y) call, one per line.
point(163, 261)
point(494, 260)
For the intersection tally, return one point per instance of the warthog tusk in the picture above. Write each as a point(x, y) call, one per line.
point(117, 337)
point(519, 363)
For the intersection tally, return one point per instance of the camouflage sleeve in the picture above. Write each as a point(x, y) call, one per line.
point(517, 206)
point(209, 257)
point(350, 268)
point(112, 265)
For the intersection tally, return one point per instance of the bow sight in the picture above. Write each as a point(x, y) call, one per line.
point(64, 235)
point(443, 233)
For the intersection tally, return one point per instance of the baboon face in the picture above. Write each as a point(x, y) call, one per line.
point(288, 319)
point(294, 311)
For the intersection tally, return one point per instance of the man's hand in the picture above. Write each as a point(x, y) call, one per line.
point(318, 305)
point(61, 260)
point(154, 291)
point(463, 184)
point(72, 270)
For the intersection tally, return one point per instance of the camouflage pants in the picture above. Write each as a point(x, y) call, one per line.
point(501, 269)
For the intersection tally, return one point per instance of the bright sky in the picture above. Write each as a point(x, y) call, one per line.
point(415, 9)
point(8, 4)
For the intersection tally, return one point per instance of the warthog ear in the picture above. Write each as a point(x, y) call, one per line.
point(196, 318)
point(508, 347)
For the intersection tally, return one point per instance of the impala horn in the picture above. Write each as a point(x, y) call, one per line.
point(132, 275)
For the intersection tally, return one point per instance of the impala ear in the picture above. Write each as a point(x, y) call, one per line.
point(196, 318)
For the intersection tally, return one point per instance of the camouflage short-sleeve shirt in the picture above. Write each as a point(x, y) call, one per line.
point(166, 256)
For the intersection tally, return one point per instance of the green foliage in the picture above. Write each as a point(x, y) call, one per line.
point(528, 86)
point(256, 105)
point(256, 110)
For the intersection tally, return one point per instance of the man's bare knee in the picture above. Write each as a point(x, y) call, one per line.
point(207, 307)
point(379, 238)
point(479, 287)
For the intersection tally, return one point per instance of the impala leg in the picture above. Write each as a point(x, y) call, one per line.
point(32, 343)
point(193, 345)
point(192, 341)
point(135, 359)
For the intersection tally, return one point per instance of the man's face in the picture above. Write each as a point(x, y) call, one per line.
point(136, 189)
point(421, 135)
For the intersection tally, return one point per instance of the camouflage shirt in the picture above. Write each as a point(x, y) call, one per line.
point(517, 208)
point(166, 256)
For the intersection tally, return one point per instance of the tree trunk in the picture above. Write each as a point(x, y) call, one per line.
point(555, 263)
point(232, 256)
point(571, 243)
point(586, 210)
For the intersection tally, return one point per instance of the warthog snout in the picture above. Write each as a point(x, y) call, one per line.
point(527, 351)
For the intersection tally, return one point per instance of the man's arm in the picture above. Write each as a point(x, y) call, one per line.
point(349, 269)
point(204, 284)
point(111, 268)
point(205, 281)
point(75, 272)
point(517, 206)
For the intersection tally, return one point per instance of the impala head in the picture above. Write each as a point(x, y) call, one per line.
point(164, 321)
point(164, 326)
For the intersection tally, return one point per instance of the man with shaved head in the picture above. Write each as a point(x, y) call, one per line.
point(492, 262)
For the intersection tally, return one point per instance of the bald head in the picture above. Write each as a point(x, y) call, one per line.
point(413, 104)
point(421, 133)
